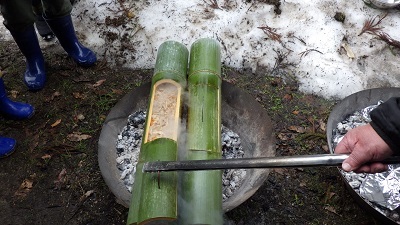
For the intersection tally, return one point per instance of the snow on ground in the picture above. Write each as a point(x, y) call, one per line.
point(311, 44)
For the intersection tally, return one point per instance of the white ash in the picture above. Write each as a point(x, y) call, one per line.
point(355, 180)
point(231, 148)
point(128, 148)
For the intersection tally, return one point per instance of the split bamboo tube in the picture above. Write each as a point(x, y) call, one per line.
point(154, 196)
point(202, 190)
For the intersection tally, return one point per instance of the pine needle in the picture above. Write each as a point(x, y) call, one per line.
point(212, 3)
point(371, 25)
point(270, 32)
point(389, 40)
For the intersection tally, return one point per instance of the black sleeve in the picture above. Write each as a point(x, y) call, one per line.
point(386, 122)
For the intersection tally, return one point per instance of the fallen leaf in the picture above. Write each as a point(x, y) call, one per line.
point(297, 129)
point(14, 93)
point(130, 14)
point(46, 156)
point(56, 123)
point(322, 125)
point(288, 97)
point(86, 195)
point(117, 91)
point(98, 83)
point(78, 95)
point(295, 112)
point(349, 52)
point(77, 136)
point(330, 195)
point(24, 188)
point(283, 137)
point(55, 94)
point(79, 117)
point(331, 209)
point(61, 179)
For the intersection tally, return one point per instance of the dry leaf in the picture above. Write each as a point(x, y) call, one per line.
point(283, 137)
point(295, 112)
point(330, 195)
point(331, 209)
point(349, 52)
point(288, 97)
point(117, 91)
point(98, 83)
point(46, 156)
point(61, 179)
point(78, 95)
point(86, 195)
point(55, 94)
point(322, 125)
point(14, 93)
point(24, 188)
point(102, 117)
point(79, 117)
point(77, 136)
point(297, 129)
point(56, 123)
point(130, 14)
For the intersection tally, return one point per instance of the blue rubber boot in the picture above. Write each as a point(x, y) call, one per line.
point(35, 75)
point(64, 30)
point(13, 110)
point(7, 146)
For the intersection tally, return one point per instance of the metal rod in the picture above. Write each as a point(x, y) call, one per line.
point(254, 163)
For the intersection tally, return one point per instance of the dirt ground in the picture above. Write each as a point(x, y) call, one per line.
point(54, 178)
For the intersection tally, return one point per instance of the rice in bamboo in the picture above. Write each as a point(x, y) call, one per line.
point(154, 196)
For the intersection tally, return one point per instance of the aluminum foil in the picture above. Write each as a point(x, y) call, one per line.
point(382, 189)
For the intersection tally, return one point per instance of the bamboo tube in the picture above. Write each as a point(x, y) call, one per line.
point(202, 190)
point(154, 196)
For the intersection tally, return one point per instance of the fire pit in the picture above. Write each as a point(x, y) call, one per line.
point(347, 106)
point(240, 112)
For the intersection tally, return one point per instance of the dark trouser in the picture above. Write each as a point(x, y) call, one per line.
point(19, 14)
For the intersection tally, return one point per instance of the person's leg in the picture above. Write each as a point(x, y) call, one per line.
point(19, 19)
point(57, 15)
point(40, 24)
point(17, 14)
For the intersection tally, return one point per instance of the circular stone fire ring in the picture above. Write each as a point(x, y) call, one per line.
point(343, 109)
point(240, 113)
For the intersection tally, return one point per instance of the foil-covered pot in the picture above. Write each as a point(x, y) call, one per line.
point(383, 188)
point(385, 4)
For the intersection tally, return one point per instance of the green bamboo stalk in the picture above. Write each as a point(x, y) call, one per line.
point(154, 196)
point(202, 190)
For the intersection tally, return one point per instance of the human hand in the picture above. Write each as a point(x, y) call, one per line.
point(364, 146)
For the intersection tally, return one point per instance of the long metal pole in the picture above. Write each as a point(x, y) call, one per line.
point(254, 163)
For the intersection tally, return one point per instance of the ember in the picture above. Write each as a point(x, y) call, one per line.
point(129, 142)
